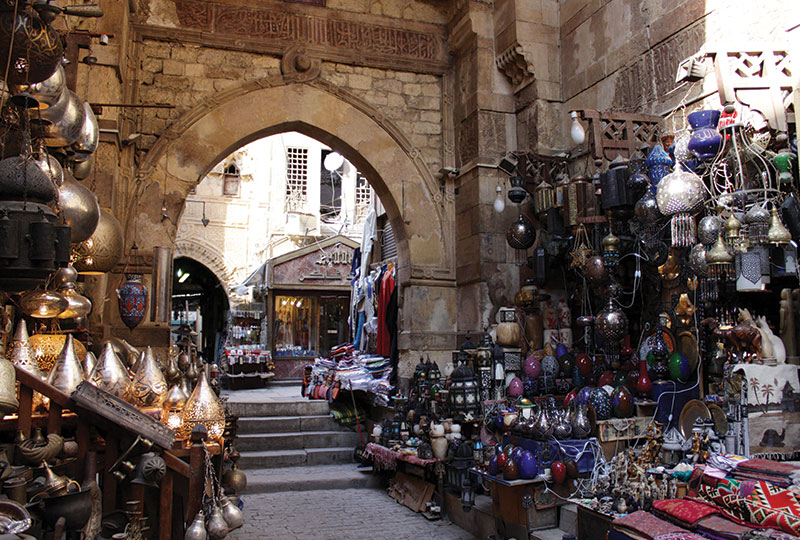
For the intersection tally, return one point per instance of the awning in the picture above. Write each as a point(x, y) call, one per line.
point(256, 278)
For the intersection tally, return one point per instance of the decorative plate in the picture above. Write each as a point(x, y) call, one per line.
point(693, 410)
point(720, 420)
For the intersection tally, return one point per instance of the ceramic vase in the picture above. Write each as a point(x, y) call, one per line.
point(532, 367)
point(132, 301)
point(622, 402)
point(644, 385)
point(528, 467)
point(601, 403)
point(439, 445)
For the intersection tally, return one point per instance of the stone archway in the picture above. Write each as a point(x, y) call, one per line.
point(208, 256)
point(420, 207)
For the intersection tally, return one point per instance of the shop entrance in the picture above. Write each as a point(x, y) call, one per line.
point(199, 302)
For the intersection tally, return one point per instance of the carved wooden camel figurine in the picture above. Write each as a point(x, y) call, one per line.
point(742, 337)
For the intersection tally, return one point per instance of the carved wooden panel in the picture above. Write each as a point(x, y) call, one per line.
point(620, 133)
point(352, 38)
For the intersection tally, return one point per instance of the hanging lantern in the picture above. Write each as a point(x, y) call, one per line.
point(614, 186)
point(463, 394)
point(132, 298)
point(757, 221)
point(517, 193)
point(110, 374)
point(521, 235)
point(708, 229)
point(66, 373)
point(543, 197)
point(149, 385)
point(678, 195)
point(43, 304)
point(778, 234)
point(580, 201)
point(720, 260)
point(8, 387)
point(612, 325)
point(611, 245)
point(79, 207)
point(33, 48)
point(103, 250)
point(78, 305)
point(203, 407)
point(658, 164)
point(647, 214)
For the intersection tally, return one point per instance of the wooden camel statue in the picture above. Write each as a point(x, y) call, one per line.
point(742, 337)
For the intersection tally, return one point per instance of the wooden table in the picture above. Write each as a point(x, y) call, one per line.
point(593, 525)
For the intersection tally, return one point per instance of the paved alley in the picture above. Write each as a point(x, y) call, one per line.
point(340, 514)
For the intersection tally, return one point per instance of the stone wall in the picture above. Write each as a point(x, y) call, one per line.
point(623, 54)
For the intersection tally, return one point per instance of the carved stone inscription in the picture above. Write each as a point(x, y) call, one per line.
point(265, 24)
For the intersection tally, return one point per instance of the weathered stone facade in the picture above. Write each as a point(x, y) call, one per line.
point(402, 88)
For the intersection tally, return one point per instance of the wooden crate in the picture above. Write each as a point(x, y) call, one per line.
point(622, 429)
point(507, 505)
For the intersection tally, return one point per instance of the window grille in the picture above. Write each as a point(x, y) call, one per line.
point(296, 178)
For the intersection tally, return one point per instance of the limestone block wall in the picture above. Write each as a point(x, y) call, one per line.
point(624, 54)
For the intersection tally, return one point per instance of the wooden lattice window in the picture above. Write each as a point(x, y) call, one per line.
point(364, 196)
point(296, 178)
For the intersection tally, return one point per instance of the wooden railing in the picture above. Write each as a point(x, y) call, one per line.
point(183, 483)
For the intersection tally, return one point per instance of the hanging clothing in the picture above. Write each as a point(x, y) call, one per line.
point(386, 290)
point(391, 327)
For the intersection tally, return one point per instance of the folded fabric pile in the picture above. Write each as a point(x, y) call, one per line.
point(641, 525)
point(765, 470)
point(717, 527)
point(757, 503)
point(345, 415)
point(683, 512)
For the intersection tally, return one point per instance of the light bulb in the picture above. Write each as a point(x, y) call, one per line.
point(576, 131)
point(499, 202)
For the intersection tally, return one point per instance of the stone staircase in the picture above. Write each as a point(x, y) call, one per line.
point(294, 444)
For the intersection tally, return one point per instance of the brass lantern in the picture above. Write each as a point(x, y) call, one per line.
point(172, 407)
point(67, 372)
point(203, 407)
point(47, 347)
point(149, 385)
point(21, 352)
point(43, 304)
point(103, 249)
point(110, 374)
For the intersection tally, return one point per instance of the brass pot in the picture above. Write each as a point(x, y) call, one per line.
point(36, 50)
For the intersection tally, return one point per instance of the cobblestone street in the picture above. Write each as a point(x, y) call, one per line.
point(341, 514)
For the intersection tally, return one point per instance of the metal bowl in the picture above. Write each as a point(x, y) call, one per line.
point(75, 507)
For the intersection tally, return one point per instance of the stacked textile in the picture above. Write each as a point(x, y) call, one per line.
point(765, 470)
point(758, 503)
point(717, 527)
point(682, 512)
point(641, 525)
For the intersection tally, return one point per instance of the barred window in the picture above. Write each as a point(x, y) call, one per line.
point(296, 178)
point(364, 196)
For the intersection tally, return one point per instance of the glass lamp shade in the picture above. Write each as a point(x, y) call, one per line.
point(203, 407)
point(110, 374)
point(149, 385)
point(67, 372)
point(79, 207)
point(103, 249)
point(47, 347)
point(43, 304)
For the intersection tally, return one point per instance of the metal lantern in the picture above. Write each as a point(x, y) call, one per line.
point(203, 407)
point(658, 164)
point(544, 197)
point(463, 392)
point(67, 372)
point(79, 207)
point(612, 325)
point(614, 185)
point(753, 269)
point(521, 235)
point(757, 220)
point(20, 351)
point(458, 474)
point(778, 234)
point(517, 193)
point(47, 347)
point(43, 304)
point(103, 250)
point(579, 201)
point(149, 385)
point(110, 374)
point(678, 195)
point(708, 229)
point(78, 305)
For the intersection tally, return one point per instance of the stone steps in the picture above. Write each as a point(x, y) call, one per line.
point(310, 478)
point(267, 459)
point(295, 440)
point(284, 424)
point(279, 408)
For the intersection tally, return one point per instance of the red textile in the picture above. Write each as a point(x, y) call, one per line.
point(645, 525)
point(771, 467)
point(686, 511)
point(384, 339)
